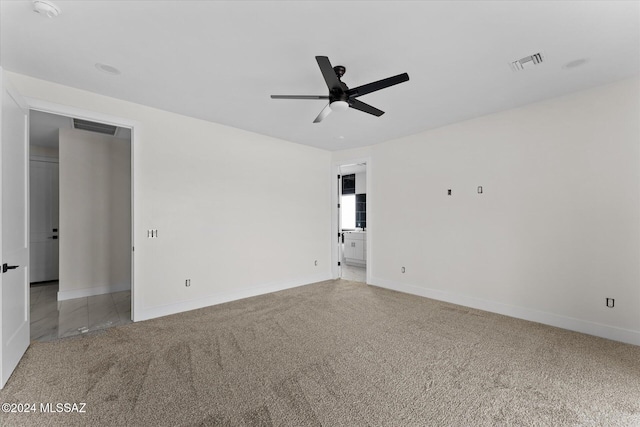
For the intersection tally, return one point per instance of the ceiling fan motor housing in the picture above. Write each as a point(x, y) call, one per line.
point(340, 96)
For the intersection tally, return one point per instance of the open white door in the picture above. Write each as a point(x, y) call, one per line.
point(14, 279)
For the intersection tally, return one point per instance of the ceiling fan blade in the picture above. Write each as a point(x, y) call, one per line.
point(380, 84)
point(333, 83)
point(299, 97)
point(324, 113)
point(359, 105)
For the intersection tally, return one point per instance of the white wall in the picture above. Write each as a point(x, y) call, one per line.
point(237, 213)
point(556, 230)
point(35, 150)
point(95, 214)
point(361, 183)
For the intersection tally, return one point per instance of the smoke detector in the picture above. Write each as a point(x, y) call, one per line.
point(46, 8)
point(527, 62)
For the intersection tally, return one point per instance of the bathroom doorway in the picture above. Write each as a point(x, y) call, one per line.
point(352, 222)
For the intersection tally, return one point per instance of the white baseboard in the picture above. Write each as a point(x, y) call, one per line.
point(179, 307)
point(578, 325)
point(89, 292)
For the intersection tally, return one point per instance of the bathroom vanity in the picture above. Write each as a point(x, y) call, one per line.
point(355, 248)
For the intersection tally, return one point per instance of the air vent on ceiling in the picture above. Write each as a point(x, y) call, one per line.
point(94, 127)
point(527, 62)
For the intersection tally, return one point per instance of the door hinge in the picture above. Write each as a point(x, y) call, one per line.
point(338, 176)
point(338, 263)
point(338, 205)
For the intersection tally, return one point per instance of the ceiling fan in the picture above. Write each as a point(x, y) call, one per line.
point(340, 96)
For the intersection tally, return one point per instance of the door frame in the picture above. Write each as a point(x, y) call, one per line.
point(78, 113)
point(335, 255)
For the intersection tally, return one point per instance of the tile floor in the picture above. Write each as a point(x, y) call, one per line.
point(351, 272)
point(356, 274)
point(51, 319)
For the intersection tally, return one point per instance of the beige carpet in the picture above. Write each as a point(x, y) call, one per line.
point(335, 353)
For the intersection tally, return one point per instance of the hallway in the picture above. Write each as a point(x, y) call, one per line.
point(51, 320)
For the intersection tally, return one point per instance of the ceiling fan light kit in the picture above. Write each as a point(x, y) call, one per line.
point(339, 105)
point(340, 96)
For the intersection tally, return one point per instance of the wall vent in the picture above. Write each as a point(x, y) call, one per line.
point(527, 62)
point(94, 127)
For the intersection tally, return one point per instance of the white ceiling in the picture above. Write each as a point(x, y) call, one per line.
point(220, 61)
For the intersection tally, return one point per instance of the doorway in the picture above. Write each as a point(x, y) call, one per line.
point(352, 221)
point(81, 223)
point(43, 186)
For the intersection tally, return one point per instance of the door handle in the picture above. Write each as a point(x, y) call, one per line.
point(6, 267)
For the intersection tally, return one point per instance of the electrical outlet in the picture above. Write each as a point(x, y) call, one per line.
point(152, 233)
point(448, 192)
point(610, 302)
point(187, 283)
point(480, 189)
